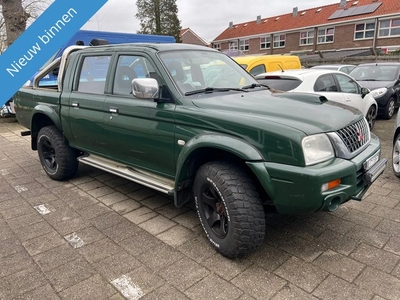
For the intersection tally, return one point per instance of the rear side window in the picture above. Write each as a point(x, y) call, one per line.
point(258, 70)
point(93, 74)
point(326, 83)
point(280, 84)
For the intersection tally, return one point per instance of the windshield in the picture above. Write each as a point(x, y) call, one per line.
point(194, 70)
point(375, 73)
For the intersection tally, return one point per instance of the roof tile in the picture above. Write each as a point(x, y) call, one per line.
point(308, 18)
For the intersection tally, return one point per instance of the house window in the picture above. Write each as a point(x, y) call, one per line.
point(233, 46)
point(265, 42)
point(244, 45)
point(307, 37)
point(217, 46)
point(279, 41)
point(325, 35)
point(364, 31)
point(389, 28)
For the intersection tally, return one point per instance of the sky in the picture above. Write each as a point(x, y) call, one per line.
point(207, 18)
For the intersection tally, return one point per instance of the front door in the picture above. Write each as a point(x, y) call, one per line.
point(140, 132)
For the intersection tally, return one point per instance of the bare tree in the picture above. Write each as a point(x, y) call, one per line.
point(15, 16)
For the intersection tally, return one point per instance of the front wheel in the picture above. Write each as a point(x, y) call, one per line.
point(229, 208)
point(58, 159)
point(389, 110)
point(396, 156)
point(371, 115)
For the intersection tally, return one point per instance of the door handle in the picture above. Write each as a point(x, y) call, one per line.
point(75, 104)
point(114, 110)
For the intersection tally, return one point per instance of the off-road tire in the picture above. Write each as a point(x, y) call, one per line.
point(59, 161)
point(230, 208)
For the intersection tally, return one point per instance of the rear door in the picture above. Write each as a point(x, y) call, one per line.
point(86, 103)
point(326, 85)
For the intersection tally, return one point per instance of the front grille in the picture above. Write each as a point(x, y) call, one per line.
point(355, 136)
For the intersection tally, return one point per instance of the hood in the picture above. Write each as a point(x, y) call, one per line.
point(303, 111)
point(373, 85)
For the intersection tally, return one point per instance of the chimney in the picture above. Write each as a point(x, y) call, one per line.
point(230, 25)
point(343, 3)
point(259, 19)
point(295, 11)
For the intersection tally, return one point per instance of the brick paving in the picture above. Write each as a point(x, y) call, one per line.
point(98, 236)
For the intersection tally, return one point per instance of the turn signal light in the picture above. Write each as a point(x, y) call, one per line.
point(330, 185)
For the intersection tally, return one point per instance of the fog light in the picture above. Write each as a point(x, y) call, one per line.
point(330, 185)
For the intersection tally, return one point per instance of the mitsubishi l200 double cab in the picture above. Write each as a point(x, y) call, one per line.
point(189, 122)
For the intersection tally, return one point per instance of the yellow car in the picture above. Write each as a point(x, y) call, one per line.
point(266, 63)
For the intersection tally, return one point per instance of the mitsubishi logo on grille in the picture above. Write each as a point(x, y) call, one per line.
point(360, 135)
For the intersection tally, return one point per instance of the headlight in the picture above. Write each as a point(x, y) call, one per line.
point(378, 92)
point(317, 148)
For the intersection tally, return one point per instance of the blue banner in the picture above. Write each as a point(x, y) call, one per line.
point(58, 23)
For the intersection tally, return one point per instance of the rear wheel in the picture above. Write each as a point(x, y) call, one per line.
point(229, 208)
point(59, 161)
point(389, 110)
point(371, 114)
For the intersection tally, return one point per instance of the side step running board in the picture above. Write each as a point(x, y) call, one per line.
point(158, 183)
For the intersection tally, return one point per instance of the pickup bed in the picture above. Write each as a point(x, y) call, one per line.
point(189, 122)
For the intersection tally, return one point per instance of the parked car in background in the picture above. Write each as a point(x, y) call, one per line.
point(334, 85)
point(383, 79)
point(343, 68)
point(266, 63)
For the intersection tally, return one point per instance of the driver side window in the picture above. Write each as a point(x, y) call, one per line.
point(347, 85)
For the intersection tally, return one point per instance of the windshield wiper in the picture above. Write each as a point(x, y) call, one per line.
point(208, 90)
point(254, 85)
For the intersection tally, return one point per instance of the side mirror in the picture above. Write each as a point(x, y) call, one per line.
point(144, 88)
point(364, 91)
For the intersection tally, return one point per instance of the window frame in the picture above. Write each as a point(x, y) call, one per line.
point(217, 46)
point(280, 41)
point(325, 35)
point(364, 30)
point(307, 38)
point(267, 42)
point(77, 77)
point(244, 44)
point(389, 28)
point(233, 45)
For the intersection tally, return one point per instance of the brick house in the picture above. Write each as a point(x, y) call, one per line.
point(189, 37)
point(356, 24)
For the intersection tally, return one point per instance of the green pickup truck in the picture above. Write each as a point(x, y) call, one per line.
point(189, 122)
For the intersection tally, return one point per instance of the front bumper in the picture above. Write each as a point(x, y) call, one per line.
point(296, 190)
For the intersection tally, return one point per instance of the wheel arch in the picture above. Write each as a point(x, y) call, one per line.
point(42, 116)
point(206, 148)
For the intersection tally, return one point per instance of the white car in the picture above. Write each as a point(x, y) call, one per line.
point(344, 68)
point(334, 85)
